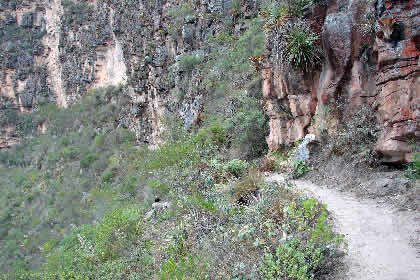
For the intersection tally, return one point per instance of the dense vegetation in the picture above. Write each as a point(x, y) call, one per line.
point(77, 204)
point(85, 201)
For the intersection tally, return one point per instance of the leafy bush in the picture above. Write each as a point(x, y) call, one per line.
point(302, 52)
point(171, 153)
point(248, 127)
point(222, 38)
point(214, 135)
point(187, 63)
point(277, 12)
point(296, 8)
point(107, 176)
point(181, 264)
point(301, 258)
point(76, 12)
point(292, 261)
point(274, 13)
point(159, 187)
point(413, 169)
point(116, 231)
point(300, 168)
point(228, 72)
point(227, 64)
point(88, 160)
point(236, 167)
point(360, 128)
point(70, 153)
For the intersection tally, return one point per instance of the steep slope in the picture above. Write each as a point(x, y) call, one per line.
point(73, 46)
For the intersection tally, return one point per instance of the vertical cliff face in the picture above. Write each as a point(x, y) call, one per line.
point(398, 79)
point(23, 74)
point(81, 45)
point(361, 69)
point(55, 51)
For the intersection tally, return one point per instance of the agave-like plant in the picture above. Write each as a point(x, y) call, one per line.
point(301, 50)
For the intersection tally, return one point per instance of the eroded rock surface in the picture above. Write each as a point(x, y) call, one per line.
point(359, 69)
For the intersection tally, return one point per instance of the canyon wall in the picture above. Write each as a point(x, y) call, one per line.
point(55, 51)
point(360, 69)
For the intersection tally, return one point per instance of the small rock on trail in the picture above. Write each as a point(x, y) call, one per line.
point(380, 238)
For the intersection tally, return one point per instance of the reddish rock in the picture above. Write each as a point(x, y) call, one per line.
point(398, 91)
point(358, 70)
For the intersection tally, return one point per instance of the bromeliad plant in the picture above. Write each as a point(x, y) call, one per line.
point(301, 50)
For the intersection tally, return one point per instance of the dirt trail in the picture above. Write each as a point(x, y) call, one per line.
point(380, 238)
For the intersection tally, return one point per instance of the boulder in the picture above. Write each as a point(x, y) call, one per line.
point(302, 153)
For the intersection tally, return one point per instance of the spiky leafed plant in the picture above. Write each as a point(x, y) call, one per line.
point(301, 50)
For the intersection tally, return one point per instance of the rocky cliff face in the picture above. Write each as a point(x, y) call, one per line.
point(361, 68)
point(54, 51)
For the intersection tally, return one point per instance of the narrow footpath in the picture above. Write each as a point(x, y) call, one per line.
point(381, 239)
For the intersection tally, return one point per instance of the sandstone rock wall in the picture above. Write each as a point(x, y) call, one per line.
point(360, 68)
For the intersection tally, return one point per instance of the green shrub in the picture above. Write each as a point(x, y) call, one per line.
point(181, 263)
point(413, 169)
point(126, 136)
point(70, 153)
point(107, 176)
point(214, 134)
point(117, 230)
point(292, 260)
point(88, 160)
point(181, 152)
point(296, 8)
point(100, 140)
point(300, 168)
point(65, 141)
point(302, 256)
point(359, 129)
point(180, 12)
point(301, 51)
point(100, 163)
point(178, 15)
point(159, 187)
point(247, 128)
point(232, 62)
point(236, 167)
point(188, 63)
point(222, 38)
point(273, 11)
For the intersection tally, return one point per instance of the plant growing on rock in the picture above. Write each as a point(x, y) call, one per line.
point(279, 11)
point(248, 127)
point(178, 15)
point(413, 169)
point(187, 63)
point(301, 50)
point(296, 8)
point(274, 13)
